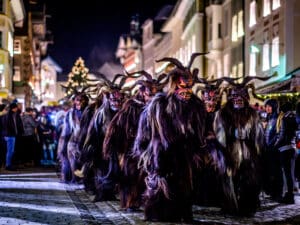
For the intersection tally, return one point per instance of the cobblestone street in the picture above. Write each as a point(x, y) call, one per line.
point(35, 196)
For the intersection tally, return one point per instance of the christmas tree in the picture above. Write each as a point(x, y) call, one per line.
point(77, 78)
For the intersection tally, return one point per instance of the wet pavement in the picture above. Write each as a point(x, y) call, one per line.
point(35, 196)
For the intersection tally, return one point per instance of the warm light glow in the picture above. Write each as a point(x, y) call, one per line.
point(234, 34)
point(240, 32)
point(240, 69)
point(10, 44)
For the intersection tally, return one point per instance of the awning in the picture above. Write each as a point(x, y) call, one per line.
point(291, 85)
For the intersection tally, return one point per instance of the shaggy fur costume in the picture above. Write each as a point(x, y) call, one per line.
point(241, 133)
point(170, 142)
point(87, 115)
point(68, 145)
point(92, 155)
point(118, 143)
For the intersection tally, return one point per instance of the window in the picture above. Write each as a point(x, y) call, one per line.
point(17, 46)
point(276, 4)
point(17, 73)
point(226, 65)
point(234, 71)
point(252, 14)
point(252, 64)
point(234, 35)
point(189, 48)
point(10, 44)
point(194, 43)
point(275, 52)
point(240, 69)
point(219, 30)
point(240, 24)
point(266, 61)
point(267, 8)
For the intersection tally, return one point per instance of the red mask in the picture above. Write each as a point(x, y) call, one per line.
point(184, 88)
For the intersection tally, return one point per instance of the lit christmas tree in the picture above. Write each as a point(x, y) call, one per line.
point(77, 78)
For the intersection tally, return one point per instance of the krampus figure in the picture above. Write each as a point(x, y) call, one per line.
point(68, 141)
point(92, 156)
point(86, 118)
point(238, 129)
point(208, 179)
point(170, 139)
point(119, 141)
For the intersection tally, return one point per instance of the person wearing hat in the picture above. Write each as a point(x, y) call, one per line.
point(12, 126)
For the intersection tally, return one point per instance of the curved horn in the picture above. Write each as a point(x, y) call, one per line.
point(161, 77)
point(118, 75)
point(175, 61)
point(193, 56)
point(143, 72)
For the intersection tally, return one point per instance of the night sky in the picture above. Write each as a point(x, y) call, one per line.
point(91, 28)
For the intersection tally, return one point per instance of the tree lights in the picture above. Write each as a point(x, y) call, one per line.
point(77, 78)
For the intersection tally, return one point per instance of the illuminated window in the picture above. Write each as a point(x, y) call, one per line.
point(252, 64)
point(234, 34)
point(240, 71)
point(276, 4)
point(267, 8)
point(189, 48)
point(10, 44)
point(275, 52)
point(17, 46)
point(234, 71)
point(17, 74)
point(266, 61)
point(240, 24)
point(226, 65)
point(194, 43)
point(2, 77)
point(252, 14)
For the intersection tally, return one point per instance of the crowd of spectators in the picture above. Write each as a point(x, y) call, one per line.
point(29, 137)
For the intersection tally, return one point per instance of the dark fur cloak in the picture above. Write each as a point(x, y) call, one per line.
point(241, 133)
point(92, 154)
point(68, 144)
point(117, 147)
point(169, 142)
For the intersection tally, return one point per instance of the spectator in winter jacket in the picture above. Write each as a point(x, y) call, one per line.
point(286, 127)
point(11, 127)
point(29, 136)
point(272, 173)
